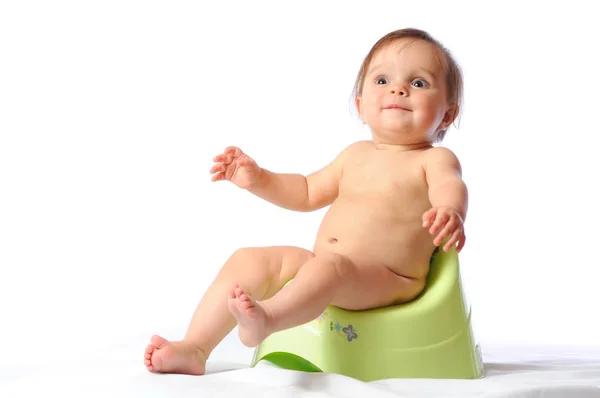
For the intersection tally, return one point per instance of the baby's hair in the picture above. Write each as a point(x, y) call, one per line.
point(454, 79)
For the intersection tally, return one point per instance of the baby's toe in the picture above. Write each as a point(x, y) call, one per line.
point(231, 294)
point(158, 342)
point(245, 305)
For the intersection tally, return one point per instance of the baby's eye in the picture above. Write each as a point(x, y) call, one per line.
point(382, 80)
point(420, 83)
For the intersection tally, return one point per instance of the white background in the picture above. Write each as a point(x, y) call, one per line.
point(110, 114)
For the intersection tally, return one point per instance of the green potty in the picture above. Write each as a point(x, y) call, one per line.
point(430, 337)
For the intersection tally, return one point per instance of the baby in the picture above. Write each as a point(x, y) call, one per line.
point(393, 200)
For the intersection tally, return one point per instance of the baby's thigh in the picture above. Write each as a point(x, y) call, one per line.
point(263, 271)
point(372, 286)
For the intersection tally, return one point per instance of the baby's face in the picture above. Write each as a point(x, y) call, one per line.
point(404, 93)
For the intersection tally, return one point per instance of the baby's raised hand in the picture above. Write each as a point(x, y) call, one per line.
point(445, 222)
point(235, 166)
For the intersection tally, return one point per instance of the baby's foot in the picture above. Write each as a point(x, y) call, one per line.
point(251, 317)
point(164, 356)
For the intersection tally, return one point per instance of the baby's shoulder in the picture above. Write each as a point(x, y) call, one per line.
point(440, 156)
point(358, 147)
point(353, 149)
point(439, 153)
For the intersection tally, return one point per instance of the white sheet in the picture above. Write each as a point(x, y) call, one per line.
point(511, 371)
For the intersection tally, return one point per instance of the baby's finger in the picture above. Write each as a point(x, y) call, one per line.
point(441, 218)
point(428, 217)
point(461, 243)
point(218, 177)
point(220, 158)
point(223, 158)
point(452, 241)
point(444, 233)
point(217, 168)
point(233, 151)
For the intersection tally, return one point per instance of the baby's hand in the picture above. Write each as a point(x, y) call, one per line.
point(445, 222)
point(235, 166)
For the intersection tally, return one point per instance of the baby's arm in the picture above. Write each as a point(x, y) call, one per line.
point(448, 196)
point(444, 178)
point(302, 193)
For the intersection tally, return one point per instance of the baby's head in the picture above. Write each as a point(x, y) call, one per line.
point(408, 83)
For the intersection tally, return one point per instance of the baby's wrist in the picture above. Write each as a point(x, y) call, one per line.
point(453, 209)
point(458, 213)
point(261, 180)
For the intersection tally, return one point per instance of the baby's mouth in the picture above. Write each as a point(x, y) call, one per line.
point(397, 107)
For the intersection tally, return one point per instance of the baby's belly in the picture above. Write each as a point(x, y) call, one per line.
point(376, 234)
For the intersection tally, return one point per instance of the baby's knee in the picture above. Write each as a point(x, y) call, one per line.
point(245, 254)
point(245, 259)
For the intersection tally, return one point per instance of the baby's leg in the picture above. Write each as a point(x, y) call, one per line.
point(323, 280)
point(259, 271)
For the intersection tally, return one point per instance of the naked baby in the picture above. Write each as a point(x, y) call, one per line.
point(393, 199)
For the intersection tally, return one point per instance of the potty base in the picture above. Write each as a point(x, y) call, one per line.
point(430, 337)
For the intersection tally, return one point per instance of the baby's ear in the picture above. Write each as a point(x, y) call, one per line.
point(449, 116)
point(358, 103)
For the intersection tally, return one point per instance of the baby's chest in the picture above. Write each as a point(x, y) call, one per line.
point(374, 176)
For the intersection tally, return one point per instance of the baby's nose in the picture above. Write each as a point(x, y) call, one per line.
point(398, 91)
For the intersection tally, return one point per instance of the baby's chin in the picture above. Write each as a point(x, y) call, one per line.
point(397, 134)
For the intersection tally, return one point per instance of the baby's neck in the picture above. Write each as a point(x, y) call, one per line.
point(401, 147)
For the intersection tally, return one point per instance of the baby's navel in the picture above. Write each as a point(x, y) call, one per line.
point(332, 240)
